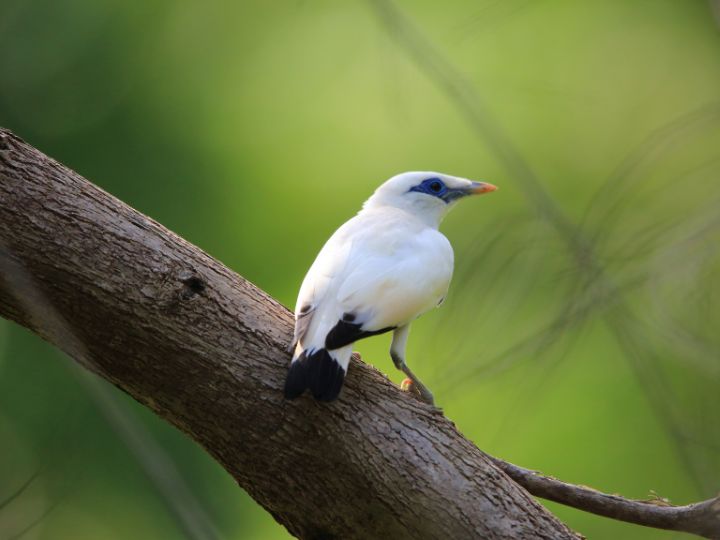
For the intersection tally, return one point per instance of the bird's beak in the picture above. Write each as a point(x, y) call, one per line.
point(478, 188)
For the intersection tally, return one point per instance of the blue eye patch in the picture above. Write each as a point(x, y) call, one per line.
point(437, 188)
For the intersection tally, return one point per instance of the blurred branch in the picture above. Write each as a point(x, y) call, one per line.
point(715, 8)
point(14, 496)
point(471, 107)
point(34, 523)
point(184, 506)
point(206, 350)
point(19, 491)
point(702, 518)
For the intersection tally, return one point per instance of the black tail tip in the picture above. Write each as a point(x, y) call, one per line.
point(296, 380)
point(319, 372)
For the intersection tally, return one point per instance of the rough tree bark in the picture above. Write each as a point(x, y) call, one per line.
point(206, 350)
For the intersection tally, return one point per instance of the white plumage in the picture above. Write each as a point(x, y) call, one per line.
point(378, 272)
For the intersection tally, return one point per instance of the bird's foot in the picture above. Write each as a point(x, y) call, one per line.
point(418, 390)
point(408, 386)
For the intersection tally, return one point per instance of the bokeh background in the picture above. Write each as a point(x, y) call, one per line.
point(580, 336)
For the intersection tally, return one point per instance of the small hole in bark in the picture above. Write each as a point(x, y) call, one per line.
point(194, 284)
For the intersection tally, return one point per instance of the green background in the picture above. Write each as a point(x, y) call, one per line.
point(580, 334)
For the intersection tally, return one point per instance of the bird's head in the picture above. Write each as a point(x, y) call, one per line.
point(427, 195)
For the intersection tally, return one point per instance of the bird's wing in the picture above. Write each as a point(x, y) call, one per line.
point(391, 287)
point(371, 276)
point(323, 275)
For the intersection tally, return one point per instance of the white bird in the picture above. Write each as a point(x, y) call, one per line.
point(378, 272)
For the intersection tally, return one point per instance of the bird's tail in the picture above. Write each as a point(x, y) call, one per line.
point(320, 370)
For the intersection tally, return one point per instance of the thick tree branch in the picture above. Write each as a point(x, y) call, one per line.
point(205, 350)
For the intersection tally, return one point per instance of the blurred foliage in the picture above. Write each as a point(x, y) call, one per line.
point(580, 336)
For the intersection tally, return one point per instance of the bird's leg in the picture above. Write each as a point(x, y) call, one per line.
point(397, 353)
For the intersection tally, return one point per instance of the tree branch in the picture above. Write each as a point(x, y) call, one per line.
point(206, 350)
point(702, 518)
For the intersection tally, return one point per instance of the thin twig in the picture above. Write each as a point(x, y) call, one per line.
point(701, 518)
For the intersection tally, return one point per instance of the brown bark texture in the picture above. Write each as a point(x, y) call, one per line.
point(207, 351)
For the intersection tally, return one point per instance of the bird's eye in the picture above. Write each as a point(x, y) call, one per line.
point(436, 186)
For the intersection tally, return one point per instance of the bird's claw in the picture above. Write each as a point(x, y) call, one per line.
point(407, 386)
point(417, 390)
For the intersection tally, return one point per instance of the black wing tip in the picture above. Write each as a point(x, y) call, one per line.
point(346, 332)
point(319, 372)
